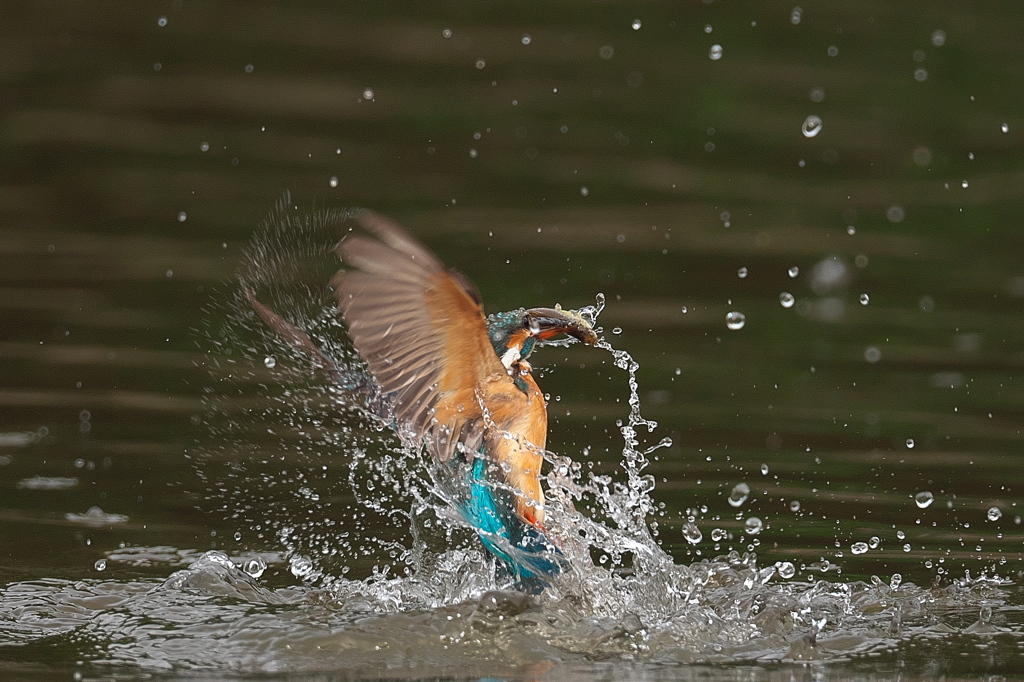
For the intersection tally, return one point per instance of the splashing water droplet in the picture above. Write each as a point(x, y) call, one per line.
point(796, 15)
point(301, 567)
point(270, 362)
point(764, 469)
point(753, 525)
point(1005, 127)
point(685, 310)
point(333, 182)
point(527, 39)
point(874, 542)
point(794, 506)
point(719, 534)
point(368, 94)
point(811, 126)
point(793, 272)
point(864, 299)
point(786, 299)
point(994, 514)
point(182, 216)
point(739, 494)
point(735, 320)
point(859, 548)
point(692, 533)
point(715, 53)
point(741, 273)
point(584, 191)
point(785, 569)
point(910, 442)
point(255, 567)
point(924, 499)
point(895, 581)
point(100, 565)
point(636, 24)
point(616, 330)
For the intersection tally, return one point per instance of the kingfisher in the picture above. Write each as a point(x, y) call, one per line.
point(458, 383)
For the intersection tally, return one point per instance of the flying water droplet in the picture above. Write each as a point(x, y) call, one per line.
point(910, 442)
point(924, 499)
point(739, 494)
point(735, 320)
point(864, 299)
point(793, 272)
point(301, 566)
point(368, 94)
point(764, 469)
point(715, 53)
point(794, 506)
point(796, 15)
point(859, 547)
point(100, 565)
point(270, 362)
point(692, 533)
point(786, 299)
point(753, 525)
point(874, 542)
point(938, 37)
point(741, 273)
point(1005, 127)
point(812, 126)
point(333, 182)
point(636, 24)
point(895, 581)
point(255, 567)
point(994, 514)
point(785, 569)
point(719, 534)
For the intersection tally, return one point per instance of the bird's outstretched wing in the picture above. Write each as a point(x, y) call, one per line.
point(421, 330)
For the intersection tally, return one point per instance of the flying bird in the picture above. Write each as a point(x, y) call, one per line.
point(456, 380)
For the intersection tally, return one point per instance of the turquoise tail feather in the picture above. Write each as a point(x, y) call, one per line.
point(524, 552)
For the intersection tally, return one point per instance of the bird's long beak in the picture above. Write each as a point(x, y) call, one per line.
point(548, 322)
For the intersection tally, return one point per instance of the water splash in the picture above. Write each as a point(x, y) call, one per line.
point(305, 465)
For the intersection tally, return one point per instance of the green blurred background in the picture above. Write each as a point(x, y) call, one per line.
point(657, 152)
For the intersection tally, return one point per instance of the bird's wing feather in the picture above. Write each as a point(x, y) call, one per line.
point(421, 330)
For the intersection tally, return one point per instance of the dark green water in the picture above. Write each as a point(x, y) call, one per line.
point(550, 152)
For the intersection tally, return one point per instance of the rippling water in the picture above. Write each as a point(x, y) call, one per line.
point(804, 222)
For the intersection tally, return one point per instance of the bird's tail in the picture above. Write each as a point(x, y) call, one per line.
point(524, 552)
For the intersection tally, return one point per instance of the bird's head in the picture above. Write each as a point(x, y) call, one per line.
point(515, 333)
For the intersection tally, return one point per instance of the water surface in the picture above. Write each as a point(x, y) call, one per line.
point(869, 403)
